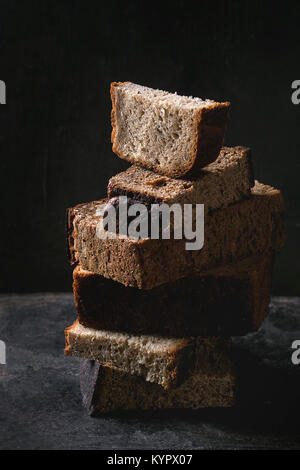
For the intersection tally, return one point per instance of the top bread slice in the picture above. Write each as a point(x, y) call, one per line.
point(249, 227)
point(170, 134)
point(219, 184)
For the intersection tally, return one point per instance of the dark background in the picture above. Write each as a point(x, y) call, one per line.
point(58, 59)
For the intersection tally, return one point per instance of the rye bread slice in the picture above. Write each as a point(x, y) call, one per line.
point(166, 361)
point(170, 134)
point(219, 184)
point(231, 300)
point(247, 228)
point(106, 390)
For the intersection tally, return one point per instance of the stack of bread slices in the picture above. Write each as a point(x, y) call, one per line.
point(154, 318)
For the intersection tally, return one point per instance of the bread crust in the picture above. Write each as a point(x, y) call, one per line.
point(71, 252)
point(210, 127)
point(210, 132)
point(234, 301)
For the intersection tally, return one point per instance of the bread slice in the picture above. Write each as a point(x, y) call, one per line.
point(247, 228)
point(231, 300)
point(106, 390)
point(163, 360)
point(170, 134)
point(219, 184)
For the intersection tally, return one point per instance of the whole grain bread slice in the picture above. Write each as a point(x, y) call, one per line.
point(231, 300)
point(247, 228)
point(107, 390)
point(163, 360)
point(217, 185)
point(170, 134)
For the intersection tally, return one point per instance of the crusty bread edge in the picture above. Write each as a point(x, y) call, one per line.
point(113, 85)
point(204, 132)
point(69, 229)
point(67, 350)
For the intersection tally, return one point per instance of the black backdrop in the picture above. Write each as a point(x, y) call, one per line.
point(58, 59)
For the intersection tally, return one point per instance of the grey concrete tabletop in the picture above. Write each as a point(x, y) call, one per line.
point(40, 400)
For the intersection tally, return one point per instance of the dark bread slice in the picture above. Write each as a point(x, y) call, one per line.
point(247, 228)
point(106, 390)
point(219, 184)
point(163, 360)
point(170, 134)
point(232, 300)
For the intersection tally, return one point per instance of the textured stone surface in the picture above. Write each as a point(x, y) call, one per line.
point(40, 401)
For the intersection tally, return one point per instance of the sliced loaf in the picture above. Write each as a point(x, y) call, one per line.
point(170, 134)
point(219, 184)
point(247, 228)
point(231, 300)
point(165, 361)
